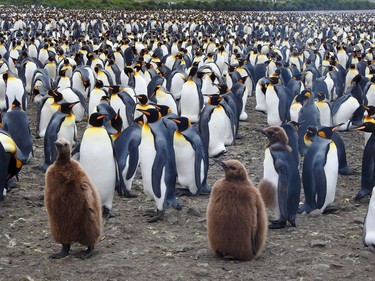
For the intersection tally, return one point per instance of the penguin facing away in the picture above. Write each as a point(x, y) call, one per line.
point(236, 216)
point(281, 185)
point(72, 203)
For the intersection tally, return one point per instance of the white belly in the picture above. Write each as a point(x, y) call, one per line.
point(270, 174)
point(331, 169)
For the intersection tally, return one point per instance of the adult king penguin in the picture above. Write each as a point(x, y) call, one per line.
point(157, 163)
point(97, 147)
point(191, 158)
point(319, 173)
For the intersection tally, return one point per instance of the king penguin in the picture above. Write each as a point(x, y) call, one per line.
point(97, 147)
point(234, 202)
point(191, 158)
point(319, 174)
point(72, 204)
point(17, 124)
point(281, 184)
point(368, 161)
point(62, 124)
point(368, 237)
point(157, 162)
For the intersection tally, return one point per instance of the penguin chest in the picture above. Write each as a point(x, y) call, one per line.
point(331, 169)
point(147, 154)
point(270, 174)
point(371, 95)
point(185, 159)
point(190, 102)
point(272, 102)
point(96, 157)
point(8, 144)
point(217, 131)
point(68, 129)
point(369, 224)
point(295, 107)
point(325, 113)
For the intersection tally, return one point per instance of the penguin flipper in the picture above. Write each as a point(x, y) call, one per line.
point(282, 189)
point(321, 189)
point(157, 171)
point(133, 158)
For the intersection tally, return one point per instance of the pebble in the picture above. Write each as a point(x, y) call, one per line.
point(193, 212)
point(317, 243)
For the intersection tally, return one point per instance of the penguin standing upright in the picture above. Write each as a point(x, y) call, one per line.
point(234, 202)
point(72, 204)
point(62, 124)
point(368, 161)
point(213, 126)
point(191, 158)
point(127, 149)
point(17, 124)
point(281, 184)
point(276, 102)
point(10, 164)
point(319, 174)
point(157, 162)
point(191, 99)
point(97, 147)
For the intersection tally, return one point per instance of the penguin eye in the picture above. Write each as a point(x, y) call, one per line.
point(232, 168)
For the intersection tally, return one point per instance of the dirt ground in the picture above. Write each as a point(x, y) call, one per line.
point(321, 247)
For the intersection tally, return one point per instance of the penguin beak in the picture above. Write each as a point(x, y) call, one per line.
point(175, 120)
point(73, 104)
point(337, 126)
point(222, 164)
point(261, 131)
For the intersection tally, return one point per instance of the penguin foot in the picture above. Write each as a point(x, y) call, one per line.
point(238, 136)
point(303, 208)
point(361, 194)
point(206, 189)
point(277, 224)
point(154, 215)
point(43, 167)
point(85, 254)
point(183, 192)
point(106, 213)
point(346, 171)
point(63, 253)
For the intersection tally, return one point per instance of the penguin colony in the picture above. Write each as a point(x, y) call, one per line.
point(168, 95)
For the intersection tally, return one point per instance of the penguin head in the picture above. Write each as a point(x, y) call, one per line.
point(96, 119)
point(66, 107)
point(163, 109)
point(99, 84)
point(215, 99)
point(321, 96)
point(142, 99)
point(182, 122)
point(326, 132)
point(115, 89)
point(357, 79)
point(233, 169)
point(275, 134)
point(152, 114)
point(311, 132)
point(63, 148)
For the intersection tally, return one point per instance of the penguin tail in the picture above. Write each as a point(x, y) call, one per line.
point(268, 192)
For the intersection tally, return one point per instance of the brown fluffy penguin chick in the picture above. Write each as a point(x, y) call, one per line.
point(73, 204)
point(236, 215)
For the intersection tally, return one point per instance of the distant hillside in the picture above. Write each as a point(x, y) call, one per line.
point(222, 5)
